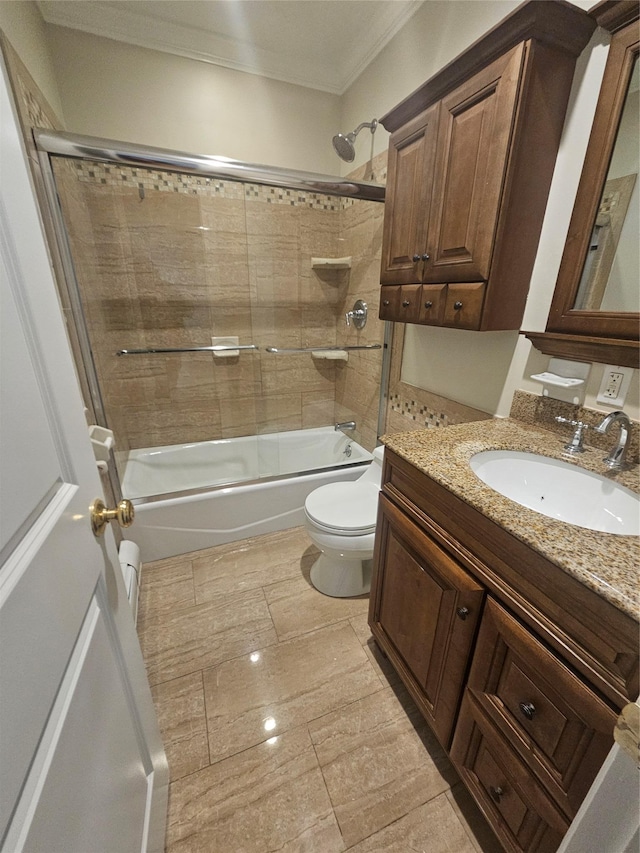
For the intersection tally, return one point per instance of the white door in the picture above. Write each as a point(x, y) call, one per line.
point(82, 768)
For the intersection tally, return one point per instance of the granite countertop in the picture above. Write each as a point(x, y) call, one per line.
point(605, 562)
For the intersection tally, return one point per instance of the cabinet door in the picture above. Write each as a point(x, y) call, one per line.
point(560, 727)
point(408, 196)
point(474, 136)
point(424, 611)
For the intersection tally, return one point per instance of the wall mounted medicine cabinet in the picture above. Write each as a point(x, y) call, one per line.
point(595, 313)
point(471, 157)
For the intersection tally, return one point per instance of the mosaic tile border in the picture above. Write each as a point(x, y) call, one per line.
point(421, 414)
point(160, 181)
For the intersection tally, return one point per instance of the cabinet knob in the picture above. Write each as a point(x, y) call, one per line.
point(416, 258)
point(405, 303)
point(457, 305)
point(462, 613)
point(385, 302)
point(426, 257)
point(496, 793)
point(428, 304)
point(528, 709)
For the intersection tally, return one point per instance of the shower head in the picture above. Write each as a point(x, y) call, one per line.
point(344, 144)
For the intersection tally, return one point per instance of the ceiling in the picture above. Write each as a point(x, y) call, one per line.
point(322, 44)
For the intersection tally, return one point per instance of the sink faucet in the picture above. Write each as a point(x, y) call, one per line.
point(616, 459)
point(345, 425)
point(575, 445)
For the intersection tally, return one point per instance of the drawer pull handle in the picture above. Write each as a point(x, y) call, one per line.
point(462, 613)
point(496, 793)
point(405, 303)
point(457, 305)
point(428, 304)
point(416, 258)
point(385, 302)
point(528, 709)
point(426, 257)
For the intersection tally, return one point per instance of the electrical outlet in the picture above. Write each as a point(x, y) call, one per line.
point(614, 386)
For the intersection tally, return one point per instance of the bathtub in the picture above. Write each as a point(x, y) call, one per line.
point(231, 488)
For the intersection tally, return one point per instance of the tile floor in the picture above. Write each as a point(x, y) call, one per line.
point(285, 728)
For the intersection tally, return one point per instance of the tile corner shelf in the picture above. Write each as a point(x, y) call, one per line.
point(331, 263)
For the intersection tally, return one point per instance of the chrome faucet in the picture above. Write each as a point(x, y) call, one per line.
point(616, 460)
point(345, 425)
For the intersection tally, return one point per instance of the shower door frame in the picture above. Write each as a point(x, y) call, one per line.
point(50, 143)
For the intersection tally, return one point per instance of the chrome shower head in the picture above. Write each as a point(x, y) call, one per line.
point(344, 144)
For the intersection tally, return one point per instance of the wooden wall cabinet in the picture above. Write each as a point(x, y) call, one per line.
point(471, 157)
point(519, 669)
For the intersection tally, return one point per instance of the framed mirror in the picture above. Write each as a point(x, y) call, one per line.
point(595, 312)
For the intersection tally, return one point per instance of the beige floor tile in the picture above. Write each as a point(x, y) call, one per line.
point(481, 834)
point(379, 762)
point(385, 671)
point(257, 696)
point(187, 640)
point(180, 708)
point(297, 607)
point(268, 798)
point(165, 587)
point(432, 828)
point(250, 563)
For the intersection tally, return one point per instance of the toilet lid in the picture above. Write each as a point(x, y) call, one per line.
point(344, 506)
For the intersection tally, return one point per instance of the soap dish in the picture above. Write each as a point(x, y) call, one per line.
point(560, 381)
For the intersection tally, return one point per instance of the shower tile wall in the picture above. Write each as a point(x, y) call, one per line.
point(169, 260)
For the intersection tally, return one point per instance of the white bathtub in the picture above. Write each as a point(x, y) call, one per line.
point(168, 526)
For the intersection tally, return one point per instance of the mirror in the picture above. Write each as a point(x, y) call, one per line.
point(611, 272)
point(595, 311)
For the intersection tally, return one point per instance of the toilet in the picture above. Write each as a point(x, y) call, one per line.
point(341, 520)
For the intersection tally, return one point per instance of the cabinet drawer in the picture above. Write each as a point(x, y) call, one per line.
point(409, 305)
point(389, 301)
point(523, 816)
point(561, 728)
point(463, 306)
point(432, 302)
point(400, 303)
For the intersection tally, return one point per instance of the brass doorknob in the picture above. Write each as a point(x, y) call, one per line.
point(101, 516)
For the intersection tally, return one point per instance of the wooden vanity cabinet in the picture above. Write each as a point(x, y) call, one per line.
point(519, 668)
point(427, 606)
point(471, 156)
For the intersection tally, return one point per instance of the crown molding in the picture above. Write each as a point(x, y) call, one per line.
point(124, 25)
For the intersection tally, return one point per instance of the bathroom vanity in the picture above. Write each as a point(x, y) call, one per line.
point(516, 634)
point(471, 156)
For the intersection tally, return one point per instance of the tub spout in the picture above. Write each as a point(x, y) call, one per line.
point(345, 425)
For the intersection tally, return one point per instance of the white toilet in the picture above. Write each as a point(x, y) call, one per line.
point(341, 520)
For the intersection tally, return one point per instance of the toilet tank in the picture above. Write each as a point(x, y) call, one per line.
point(373, 474)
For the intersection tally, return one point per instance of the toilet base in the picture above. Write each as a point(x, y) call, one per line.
point(341, 578)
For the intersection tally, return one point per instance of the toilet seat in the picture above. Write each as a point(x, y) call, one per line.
point(347, 508)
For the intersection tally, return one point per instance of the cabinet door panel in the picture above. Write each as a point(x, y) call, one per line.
point(463, 306)
point(474, 134)
point(432, 302)
point(425, 608)
point(555, 721)
point(408, 196)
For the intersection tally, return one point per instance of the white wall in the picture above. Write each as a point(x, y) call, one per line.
point(22, 24)
point(121, 91)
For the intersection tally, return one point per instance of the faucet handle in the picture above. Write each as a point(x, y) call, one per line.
point(575, 445)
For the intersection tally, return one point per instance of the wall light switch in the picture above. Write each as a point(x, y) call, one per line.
point(614, 386)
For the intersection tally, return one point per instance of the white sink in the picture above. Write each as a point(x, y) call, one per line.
point(560, 490)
